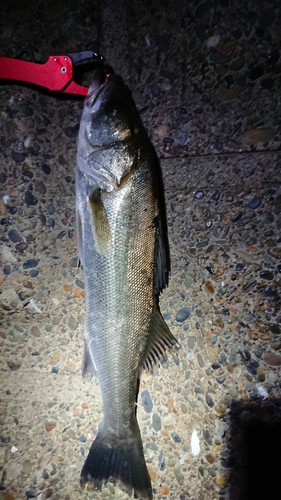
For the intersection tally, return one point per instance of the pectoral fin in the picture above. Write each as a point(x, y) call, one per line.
point(100, 224)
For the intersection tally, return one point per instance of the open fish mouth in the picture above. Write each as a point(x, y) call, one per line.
point(101, 81)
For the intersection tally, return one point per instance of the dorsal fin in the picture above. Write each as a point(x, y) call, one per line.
point(160, 339)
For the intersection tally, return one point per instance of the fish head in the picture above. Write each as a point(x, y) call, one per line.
point(109, 112)
point(110, 131)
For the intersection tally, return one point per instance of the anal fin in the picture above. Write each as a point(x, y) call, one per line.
point(88, 367)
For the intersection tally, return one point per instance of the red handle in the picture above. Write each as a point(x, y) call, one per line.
point(55, 74)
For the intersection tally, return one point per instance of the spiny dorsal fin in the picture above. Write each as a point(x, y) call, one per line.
point(162, 267)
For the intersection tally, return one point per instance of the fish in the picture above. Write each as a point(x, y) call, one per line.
point(124, 251)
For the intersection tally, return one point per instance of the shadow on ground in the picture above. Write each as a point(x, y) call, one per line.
point(255, 443)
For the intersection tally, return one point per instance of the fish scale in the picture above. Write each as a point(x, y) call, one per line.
point(123, 302)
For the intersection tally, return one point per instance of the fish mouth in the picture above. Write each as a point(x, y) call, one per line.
point(100, 82)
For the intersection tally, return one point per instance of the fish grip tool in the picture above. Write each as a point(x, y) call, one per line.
point(56, 74)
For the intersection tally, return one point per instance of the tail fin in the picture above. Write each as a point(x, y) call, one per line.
point(124, 462)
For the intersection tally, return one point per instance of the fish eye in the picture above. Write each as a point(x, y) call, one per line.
point(114, 106)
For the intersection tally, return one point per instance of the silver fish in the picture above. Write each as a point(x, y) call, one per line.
point(123, 248)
